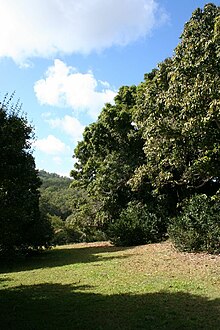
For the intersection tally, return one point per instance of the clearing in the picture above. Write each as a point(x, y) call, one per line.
point(99, 286)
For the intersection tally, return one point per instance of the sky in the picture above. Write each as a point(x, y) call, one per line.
point(66, 58)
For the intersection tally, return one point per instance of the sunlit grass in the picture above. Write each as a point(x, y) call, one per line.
point(98, 286)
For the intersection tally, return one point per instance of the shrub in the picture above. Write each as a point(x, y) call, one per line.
point(197, 228)
point(137, 225)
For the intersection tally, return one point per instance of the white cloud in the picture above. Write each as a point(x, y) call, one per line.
point(46, 115)
point(46, 28)
point(58, 160)
point(70, 125)
point(51, 145)
point(64, 86)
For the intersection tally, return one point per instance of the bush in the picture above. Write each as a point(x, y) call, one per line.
point(137, 225)
point(197, 228)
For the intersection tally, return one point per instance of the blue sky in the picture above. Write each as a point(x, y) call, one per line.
point(66, 58)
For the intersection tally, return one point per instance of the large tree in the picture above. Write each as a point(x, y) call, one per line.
point(178, 110)
point(21, 225)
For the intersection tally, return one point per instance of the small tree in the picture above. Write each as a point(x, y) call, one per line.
point(21, 225)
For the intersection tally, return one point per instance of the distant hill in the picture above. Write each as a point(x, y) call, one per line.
point(56, 194)
point(53, 180)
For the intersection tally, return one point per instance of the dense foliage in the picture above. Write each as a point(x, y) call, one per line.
point(178, 109)
point(68, 209)
point(21, 224)
point(55, 195)
point(159, 144)
point(137, 224)
point(197, 228)
point(110, 151)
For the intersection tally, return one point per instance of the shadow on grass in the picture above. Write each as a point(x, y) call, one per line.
point(62, 257)
point(56, 306)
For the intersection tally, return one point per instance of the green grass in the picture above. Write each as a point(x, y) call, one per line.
point(98, 286)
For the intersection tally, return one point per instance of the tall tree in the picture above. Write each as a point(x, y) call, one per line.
point(178, 111)
point(21, 225)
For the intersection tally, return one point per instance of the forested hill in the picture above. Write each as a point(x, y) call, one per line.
point(53, 180)
point(55, 194)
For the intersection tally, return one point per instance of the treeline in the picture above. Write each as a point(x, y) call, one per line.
point(146, 170)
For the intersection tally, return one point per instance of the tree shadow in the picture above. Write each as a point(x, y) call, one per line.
point(56, 306)
point(61, 257)
point(4, 281)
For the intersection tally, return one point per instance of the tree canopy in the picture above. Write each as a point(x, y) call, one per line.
point(178, 110)
point(110, 151)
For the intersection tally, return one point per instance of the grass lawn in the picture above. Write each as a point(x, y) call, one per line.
point(99, 286)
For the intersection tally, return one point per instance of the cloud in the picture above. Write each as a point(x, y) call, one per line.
point(58, 160)
point(51, 145)
point(64, 86)
point(46, 115)
point(70, 125)
point(40, 28)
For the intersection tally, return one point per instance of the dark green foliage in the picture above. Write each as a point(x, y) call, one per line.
point(64, 232)
point(85, 224)
point(107, 156)
point(197, 228)
point(68, 231)
point(137, 224)
point(59, 232)
point(21, 225)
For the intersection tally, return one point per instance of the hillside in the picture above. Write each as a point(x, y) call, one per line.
point(53, 180)
point(55, 194)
